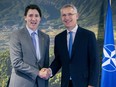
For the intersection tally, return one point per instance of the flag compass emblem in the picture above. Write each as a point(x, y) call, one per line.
point(109, 58)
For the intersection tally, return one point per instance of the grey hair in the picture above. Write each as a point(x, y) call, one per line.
point(69, 5)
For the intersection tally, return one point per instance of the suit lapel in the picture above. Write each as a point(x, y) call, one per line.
point(64, 43)
point(30, 43)
point(41, 45)
point(76, 41)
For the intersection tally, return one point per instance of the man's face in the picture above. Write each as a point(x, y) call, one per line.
point(32, 19)
point(69, 17)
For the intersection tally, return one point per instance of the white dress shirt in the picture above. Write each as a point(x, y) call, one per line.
point(37, 42)
point(74, 30)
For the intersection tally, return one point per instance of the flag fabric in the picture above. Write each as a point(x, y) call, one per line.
point(108, 76)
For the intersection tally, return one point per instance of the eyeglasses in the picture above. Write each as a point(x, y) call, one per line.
point(69, 14)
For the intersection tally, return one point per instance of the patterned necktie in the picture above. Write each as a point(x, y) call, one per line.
point(70, 43)
point(33, 39)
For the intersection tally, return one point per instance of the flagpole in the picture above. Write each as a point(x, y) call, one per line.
point(110, 2)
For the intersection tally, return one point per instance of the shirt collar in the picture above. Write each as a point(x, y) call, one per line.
point(74, 29)
point(31, 31)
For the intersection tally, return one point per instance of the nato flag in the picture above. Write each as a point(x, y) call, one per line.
point(108, 76)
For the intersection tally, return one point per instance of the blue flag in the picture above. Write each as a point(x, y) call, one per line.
point(108, 76)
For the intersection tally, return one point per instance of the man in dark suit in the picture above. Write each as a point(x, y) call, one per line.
point(29, 51)
point(79, 62)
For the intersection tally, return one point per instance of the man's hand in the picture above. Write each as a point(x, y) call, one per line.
point(45, 73)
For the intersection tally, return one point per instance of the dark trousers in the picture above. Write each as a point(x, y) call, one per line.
point(70, 83)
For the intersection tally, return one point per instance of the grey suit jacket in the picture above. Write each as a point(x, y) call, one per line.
point(25, 66)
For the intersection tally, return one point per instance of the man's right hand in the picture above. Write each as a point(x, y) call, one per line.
point(45, 73)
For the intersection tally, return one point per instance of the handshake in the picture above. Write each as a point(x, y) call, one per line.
point(45, 73)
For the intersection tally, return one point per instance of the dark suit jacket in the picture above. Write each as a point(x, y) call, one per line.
point(25, 66)
point(83, 67)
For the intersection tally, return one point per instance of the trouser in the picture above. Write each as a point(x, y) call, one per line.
point(70, 83)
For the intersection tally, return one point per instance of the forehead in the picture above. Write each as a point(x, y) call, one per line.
point(67, 10)
point(32, 11)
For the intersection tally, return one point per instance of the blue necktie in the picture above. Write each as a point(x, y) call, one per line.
point(35, 44)
point(70, 43)
point(33, 39)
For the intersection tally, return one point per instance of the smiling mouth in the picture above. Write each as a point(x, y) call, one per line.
point(67, 21)
point(33, 23)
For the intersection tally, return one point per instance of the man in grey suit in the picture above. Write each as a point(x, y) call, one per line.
point(29, 51)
